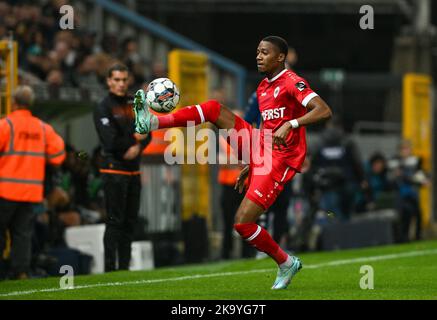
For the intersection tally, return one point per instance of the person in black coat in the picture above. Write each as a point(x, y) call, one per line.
point(120, 168)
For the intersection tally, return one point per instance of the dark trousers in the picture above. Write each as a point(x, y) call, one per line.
point(18, 218)
point(122, 199)
point(409, 208)
point(230, 201)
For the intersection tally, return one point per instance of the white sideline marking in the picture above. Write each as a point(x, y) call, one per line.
point(224, 274)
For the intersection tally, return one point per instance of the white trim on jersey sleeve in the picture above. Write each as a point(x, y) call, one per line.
point(199, 109)
point(308, 98)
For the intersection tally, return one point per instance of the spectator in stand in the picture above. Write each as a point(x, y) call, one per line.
point(55, 79)
point(158, 71)
point(133, 60)
point(66, 58)
point(87, 45)
point(87, 73)
point(130, 54)
point(110, 45)
point(45, 50)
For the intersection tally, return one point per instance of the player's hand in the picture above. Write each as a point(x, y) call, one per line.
point(239, 185)
point(281, 134)
point(132, 152)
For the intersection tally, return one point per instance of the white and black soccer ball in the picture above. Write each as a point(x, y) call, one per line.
point(162, 95)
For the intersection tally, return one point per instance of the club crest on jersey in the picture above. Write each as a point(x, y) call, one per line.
point(300, 85)
point(276, 92)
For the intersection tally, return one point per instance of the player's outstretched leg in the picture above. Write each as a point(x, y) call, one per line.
point(211, 111)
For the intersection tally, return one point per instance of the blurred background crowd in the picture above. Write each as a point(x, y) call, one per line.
point(76, 58)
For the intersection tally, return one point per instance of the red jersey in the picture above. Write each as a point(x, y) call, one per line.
point(284, 98)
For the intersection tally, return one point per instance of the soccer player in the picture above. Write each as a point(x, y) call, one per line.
point(287, 104)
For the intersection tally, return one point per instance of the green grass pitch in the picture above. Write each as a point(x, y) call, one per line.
point(407, 271)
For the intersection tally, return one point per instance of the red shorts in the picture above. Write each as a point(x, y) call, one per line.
point(266, 182)
point(265, 188)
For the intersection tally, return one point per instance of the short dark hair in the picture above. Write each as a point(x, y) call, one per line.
point(116, 67)
point(377, 156)
point(279, 42)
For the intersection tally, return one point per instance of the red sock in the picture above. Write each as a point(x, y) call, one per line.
point(206, 111)
point(258, 237)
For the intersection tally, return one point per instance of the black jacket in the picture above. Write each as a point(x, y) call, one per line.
point(115, 125)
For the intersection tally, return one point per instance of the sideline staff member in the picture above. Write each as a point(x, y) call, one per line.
point(27, 144)
point(121, 151)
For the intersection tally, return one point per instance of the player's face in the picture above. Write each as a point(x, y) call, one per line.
point(118, 82)
point(268, 57)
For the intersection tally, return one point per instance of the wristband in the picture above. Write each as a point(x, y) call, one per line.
point(294, 123)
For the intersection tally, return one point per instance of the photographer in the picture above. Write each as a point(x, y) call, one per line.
point(408, 177)
point(339, 174)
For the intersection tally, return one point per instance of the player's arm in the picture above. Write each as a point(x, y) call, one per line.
point(318, 110)
point(142, 141)
point(239, 184)
point(55, 146)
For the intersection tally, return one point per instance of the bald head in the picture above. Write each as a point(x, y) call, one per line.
point(23, 97)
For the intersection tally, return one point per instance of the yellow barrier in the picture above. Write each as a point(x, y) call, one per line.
point(189, 71)
point(416, 126)
point(8, 71)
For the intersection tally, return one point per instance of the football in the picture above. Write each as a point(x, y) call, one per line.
point(162, 95)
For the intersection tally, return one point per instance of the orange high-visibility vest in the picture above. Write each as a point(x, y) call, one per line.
point(26, 144)
point(228, 176)
point(228, 173)
point(157, 145)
